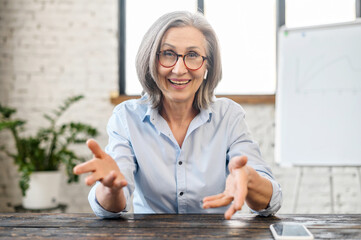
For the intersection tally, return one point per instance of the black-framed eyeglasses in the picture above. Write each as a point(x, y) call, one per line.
point(192, 60)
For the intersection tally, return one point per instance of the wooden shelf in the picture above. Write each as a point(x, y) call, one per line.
point(241, 99)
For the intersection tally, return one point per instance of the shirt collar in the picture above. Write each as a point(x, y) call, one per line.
point(148, 113)
point(205, 114)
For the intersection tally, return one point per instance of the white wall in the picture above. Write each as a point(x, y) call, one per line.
point(52, 49)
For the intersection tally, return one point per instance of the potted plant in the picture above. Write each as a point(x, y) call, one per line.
point(39, 157)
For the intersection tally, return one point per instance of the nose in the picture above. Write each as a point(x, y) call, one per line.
point(179, 68)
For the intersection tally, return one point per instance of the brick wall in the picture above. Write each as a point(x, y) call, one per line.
point(52, 49)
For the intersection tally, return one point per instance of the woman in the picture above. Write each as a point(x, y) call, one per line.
point(178, 149)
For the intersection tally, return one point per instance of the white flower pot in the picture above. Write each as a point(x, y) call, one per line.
point(43, 191)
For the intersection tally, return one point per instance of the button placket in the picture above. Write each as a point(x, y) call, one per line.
point(181, 183)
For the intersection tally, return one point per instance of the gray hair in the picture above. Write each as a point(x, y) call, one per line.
point(146, 61)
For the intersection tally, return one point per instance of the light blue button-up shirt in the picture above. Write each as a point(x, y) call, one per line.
point(166, 178)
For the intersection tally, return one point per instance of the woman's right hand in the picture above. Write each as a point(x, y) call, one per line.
point(103, 168)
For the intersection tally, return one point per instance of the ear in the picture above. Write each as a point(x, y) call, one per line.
point(205, 74)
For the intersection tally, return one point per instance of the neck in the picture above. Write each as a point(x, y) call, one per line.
point(178, 113)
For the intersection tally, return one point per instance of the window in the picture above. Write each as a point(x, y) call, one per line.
point(246, 31)
point(139, 17)
point(247, 34)
point(319, 12)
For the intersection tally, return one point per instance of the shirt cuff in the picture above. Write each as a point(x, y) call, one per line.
point(276, 199)
point(99, 210)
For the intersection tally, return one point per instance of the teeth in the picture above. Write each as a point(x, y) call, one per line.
point(179, 82)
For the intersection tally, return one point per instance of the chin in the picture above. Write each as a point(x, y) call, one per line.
point(179, 97)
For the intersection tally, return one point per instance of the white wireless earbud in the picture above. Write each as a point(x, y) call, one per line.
point(205, 74)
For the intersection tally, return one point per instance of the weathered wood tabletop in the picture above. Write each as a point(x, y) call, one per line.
point(170, 226)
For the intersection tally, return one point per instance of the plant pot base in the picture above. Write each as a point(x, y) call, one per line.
point(43, 191)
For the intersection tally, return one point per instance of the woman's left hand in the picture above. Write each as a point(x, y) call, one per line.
point(236, 188)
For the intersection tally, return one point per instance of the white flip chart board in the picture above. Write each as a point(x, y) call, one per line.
point(318, 99)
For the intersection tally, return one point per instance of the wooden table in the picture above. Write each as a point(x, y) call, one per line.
point(170, 226)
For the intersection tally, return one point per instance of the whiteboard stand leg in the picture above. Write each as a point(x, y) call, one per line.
point(359, 176)
point(297, 188)
point(331, 189)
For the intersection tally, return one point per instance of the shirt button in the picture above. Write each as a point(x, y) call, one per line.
point(181, 193)
point(180, 162)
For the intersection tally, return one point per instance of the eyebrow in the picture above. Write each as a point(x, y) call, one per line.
point(188, 48)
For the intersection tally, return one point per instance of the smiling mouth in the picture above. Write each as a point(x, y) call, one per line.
point(179, 82)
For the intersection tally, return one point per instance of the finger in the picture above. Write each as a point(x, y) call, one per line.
point(95, 148)
point(238, 202)
point(91, 179)
point(214, 197)
point(85, 167)
point(241, 189)
point(230, 211)
point(108, 180)
point(113, 180)
point(218, 202)
point(237, 162)
point(120, 183)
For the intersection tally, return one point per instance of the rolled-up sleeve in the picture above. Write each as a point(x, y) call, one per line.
point(241, 143)
point(99, 210)
point(276, 199)
point(120, 149)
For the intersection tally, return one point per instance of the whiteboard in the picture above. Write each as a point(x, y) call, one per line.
point(318, 100)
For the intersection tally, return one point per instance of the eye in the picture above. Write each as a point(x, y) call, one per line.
point(168, 53)
point(192, 55)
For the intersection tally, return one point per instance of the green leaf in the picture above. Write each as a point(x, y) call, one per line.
point(11, 124)
point(48, 149)
point(6, 112)
point(47, 117)
point(24, 179)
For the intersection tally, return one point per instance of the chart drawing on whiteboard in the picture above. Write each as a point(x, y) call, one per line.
point(341, 73)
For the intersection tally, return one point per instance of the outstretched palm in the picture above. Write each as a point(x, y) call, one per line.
point(236, 188)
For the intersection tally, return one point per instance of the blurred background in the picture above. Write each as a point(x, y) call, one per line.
point(54, 49)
